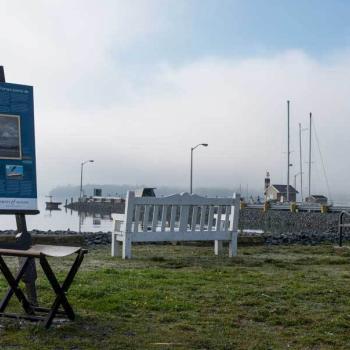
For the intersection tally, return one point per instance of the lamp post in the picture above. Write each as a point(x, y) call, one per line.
point(81, 177)
point(81, 190)
point(192, 149)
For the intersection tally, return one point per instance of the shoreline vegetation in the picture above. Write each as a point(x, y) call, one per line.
point(183, 297)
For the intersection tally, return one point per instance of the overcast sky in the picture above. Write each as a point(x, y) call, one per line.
point(134, 84)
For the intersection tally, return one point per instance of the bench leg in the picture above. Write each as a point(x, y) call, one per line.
point(126, 248)
point(217, 247)
point(115, 245)
point(233, 245)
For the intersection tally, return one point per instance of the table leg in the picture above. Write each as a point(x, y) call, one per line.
point(60, 291)
point(13, 282)
point(61, 298)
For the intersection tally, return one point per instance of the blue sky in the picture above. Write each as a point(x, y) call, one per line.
point(247, 28)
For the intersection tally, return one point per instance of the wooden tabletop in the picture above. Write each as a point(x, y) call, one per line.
point(40, 249)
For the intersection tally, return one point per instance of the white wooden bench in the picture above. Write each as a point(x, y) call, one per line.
point(180, 217)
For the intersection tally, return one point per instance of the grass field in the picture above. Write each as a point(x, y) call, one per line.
point(182, 297)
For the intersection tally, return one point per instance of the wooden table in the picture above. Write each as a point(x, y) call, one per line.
point(40, 252)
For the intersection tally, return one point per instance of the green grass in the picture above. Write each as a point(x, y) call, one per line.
point(183, 297)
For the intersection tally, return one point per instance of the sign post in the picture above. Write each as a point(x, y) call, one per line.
point(18, 189)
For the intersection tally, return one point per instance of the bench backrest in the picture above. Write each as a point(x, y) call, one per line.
point(180, 213)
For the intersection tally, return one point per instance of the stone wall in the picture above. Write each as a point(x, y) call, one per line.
point(285, 227)
point(274, 221)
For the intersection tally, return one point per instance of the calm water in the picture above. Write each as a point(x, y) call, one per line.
point(59, 220)
point(66, 219)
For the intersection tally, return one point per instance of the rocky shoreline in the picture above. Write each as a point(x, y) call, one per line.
point(285, 221)
point(84, 238)
point(284, 227)
point(279, 227)
point(246, 238)
point(305, 238)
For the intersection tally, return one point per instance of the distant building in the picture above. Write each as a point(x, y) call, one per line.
point(145, 192)
point(97, 192)
point(317, 198)
point(278, 193)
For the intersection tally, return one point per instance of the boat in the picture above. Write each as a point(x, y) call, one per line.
point(52, 205)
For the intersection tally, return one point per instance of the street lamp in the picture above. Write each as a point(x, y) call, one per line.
point(81, 177)
point(192, 149)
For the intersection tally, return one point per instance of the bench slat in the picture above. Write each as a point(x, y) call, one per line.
point(164, 212)
point(210, 218)
point(137, 218)
point(183, 199)
point(171, 236)
point(194, 217)
point(227, 218)
point(218, 218)
point(145, 218)
point(184, 209)
point(203, 213)
point(173, 217)
point(155, 217)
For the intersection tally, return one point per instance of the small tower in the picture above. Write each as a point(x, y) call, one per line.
point(267, 181)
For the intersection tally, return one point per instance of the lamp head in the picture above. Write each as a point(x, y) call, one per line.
point(204, 144)
point(87, 161)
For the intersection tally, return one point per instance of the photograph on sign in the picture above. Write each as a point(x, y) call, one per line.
point(14, 171)
point(10, 139)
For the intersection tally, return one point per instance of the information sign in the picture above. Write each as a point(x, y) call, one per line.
point(18, 190)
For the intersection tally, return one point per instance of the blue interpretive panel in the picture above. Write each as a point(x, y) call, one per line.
point(17, 148)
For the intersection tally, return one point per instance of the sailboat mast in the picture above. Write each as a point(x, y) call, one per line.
point(288, 152)
point(301, 165)
point(310, 155)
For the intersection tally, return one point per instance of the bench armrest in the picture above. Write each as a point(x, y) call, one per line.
point(118, 220)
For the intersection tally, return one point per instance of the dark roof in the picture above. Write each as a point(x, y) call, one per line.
point(318, 196)
point(145, 192)
point(283, 189)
